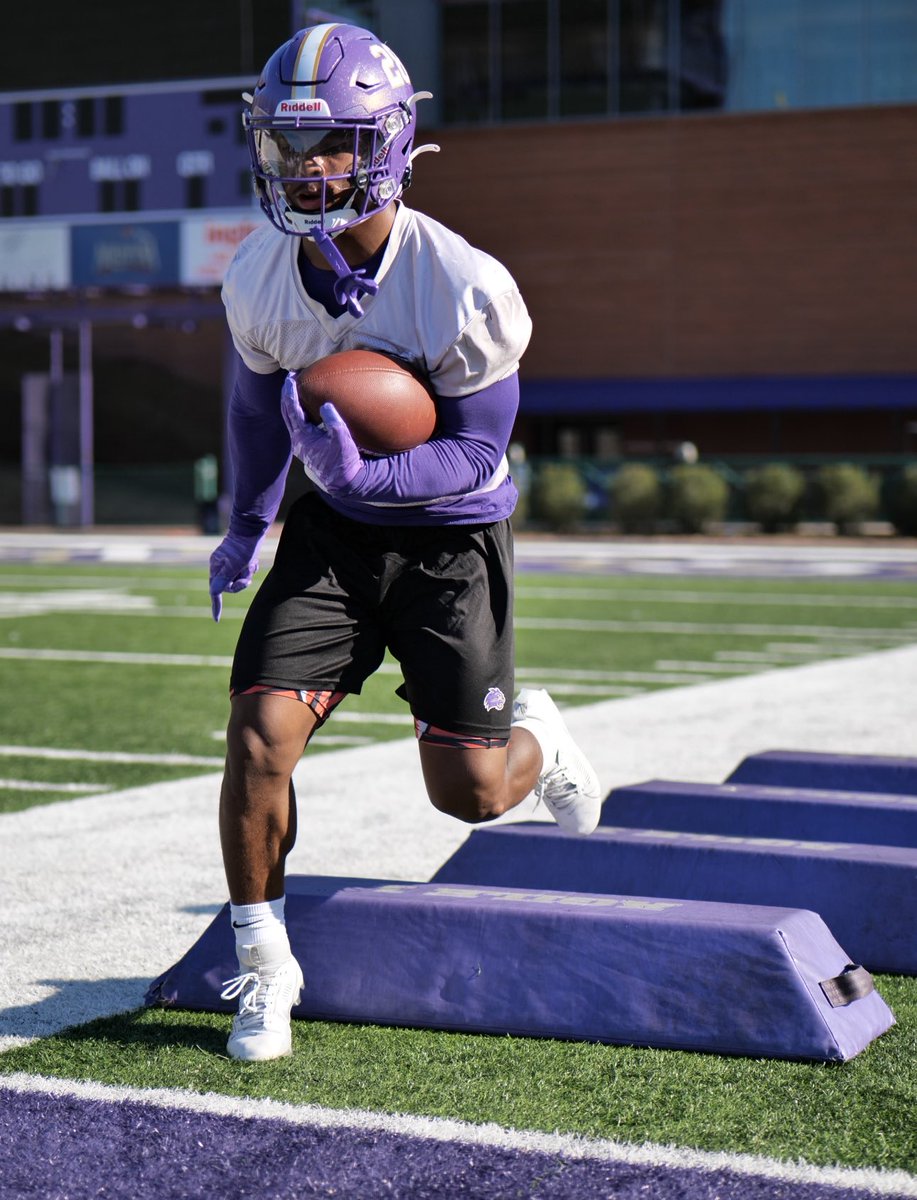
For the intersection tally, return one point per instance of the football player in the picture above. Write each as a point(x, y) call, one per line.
point(410, 552)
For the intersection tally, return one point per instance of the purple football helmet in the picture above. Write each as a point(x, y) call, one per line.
point(330, 130)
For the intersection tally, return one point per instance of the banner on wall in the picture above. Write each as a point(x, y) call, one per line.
point(129, 253)
point(208, 244)
point(34, 258)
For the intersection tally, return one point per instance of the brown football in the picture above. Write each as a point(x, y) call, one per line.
point(386, 406)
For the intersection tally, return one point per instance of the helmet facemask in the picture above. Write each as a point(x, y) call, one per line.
point(327, 176)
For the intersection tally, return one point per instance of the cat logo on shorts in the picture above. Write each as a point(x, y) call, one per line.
point(494, 700)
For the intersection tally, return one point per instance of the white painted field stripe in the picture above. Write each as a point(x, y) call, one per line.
point(133, 658)
point(705, 629)
point(39, 604)
point(437, 1129)
point(772, 656)
point(110, 756)
point(905, 634)
point(708, 668)
point(815, 649)
point(130, 657)
point(721, 596)
point(33, 785)
point(612, 689)
point(157, 582)
point(136, 658)
point(100, 580)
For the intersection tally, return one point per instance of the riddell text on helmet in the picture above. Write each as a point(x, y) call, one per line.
point(288, 108)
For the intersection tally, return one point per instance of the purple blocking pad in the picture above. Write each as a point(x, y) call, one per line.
point(845, 772)
point(754, 810)
point(866, 895)
point(641, 971)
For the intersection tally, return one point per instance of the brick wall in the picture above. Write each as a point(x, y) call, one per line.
point(773, 244)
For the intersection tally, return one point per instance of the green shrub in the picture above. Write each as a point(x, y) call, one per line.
point(772, 495)
point(846, 494)
point(697, 495)
point(558, 495)
point(901, 500)
point(635, 497)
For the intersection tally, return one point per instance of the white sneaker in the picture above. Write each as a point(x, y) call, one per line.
point(268, 987)
point(567, 784)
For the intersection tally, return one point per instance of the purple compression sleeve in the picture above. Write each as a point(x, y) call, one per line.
point(259, 446)
point(472, 433)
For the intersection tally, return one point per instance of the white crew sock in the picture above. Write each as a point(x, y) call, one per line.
point(259, 924)
point(544, 736)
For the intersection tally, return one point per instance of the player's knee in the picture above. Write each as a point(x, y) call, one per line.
point(472, 804)
point(256, 749)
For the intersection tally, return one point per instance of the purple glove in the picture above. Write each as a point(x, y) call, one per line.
point(232, 566)
point(327, 451)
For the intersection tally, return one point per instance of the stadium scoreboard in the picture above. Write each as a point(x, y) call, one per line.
point(139, 148)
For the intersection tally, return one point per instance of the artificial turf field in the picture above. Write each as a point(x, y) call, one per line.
point(118, 677)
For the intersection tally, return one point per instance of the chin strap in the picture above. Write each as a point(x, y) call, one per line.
point(350, 283)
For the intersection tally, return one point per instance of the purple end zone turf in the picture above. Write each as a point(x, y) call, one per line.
point(845, 772)
point(624, 969)
point(68, 1148)
point(867, 895)
point(755, 810)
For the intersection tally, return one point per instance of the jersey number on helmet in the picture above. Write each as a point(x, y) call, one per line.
point(394, 71)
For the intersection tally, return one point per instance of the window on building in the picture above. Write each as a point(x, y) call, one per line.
point(195, 191)
point(643, 56)
point(544, 59)
point(583, 55)
point(119, 195)
point(702, 65)
point(113, 115)
point(107, 196)
point(524, 59)
point(130, 190)
point(7, 201)
point(50, 119)
point(29, 196)
point(22, 121)
point(466, 63)
point(86, 116)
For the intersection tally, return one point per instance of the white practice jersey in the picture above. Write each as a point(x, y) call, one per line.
point(443, 305)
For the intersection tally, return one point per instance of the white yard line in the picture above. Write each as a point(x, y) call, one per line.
point(769, 656)
point(690, 628)
point(563, 682)
point(721, 595)
point(34, 785)
point(439, 1129)
point(703, 668)
point(127, 657)
point(109, 756)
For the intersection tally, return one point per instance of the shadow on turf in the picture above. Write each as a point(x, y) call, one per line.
point(72, 1013)
point(72, 1002)
point(139, 1030)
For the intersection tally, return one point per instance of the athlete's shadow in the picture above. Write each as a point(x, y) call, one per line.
point(101, 1010)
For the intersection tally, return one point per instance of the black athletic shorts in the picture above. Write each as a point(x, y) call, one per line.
point(340, 592)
